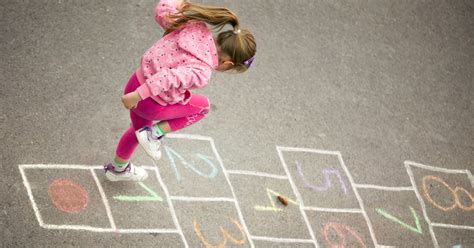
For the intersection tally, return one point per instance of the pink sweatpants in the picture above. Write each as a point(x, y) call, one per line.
point(147, 111)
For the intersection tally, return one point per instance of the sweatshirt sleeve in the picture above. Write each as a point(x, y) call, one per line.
point(163, 8)
point(193, 74)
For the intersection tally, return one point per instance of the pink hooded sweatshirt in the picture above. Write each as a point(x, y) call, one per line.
point(182, 60)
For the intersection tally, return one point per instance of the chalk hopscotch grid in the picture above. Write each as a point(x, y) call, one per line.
point(226, 175)
point(362, 211)
point(296, 192)
point(356, 186)
point(234, 199)
point(266, 238)
point(185, 198)
point(112, 227)
point(288, 177)
point(408, 165)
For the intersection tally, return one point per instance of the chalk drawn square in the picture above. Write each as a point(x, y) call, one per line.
point(396, 217)
point(447, 194)
point(138, 205)
point(190, 166)
point(449, 237)
point(205, 222)
point(263, 213)
point(320, 178)
point(340, 229)
point(61, 206)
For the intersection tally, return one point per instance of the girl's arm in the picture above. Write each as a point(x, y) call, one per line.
point(192, 74)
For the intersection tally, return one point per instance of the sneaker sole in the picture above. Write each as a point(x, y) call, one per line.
point(116, 179)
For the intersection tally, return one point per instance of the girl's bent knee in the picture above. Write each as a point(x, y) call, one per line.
point(201, 102)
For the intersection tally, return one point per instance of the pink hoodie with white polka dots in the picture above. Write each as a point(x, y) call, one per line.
point(180, 61)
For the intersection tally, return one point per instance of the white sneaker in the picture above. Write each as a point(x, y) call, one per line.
point(149, 142)
point(131, 173)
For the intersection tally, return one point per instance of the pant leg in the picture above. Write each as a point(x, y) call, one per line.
point(196, 109)
point(128, 142)
point(178, 116)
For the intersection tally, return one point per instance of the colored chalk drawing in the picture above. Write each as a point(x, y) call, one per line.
point(271, 199)
point(424, 196)
point(152, 197)
point(343, 232)
point(68, 196)
point(327, 179)
point(225, 234)
point(454, 192)
point(172, 154)
point(403, 224)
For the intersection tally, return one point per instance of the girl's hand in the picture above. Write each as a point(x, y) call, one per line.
point(131, 100)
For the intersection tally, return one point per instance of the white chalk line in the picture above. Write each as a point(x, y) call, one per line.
point(30, 195)
point(170, 204)
point(104, 200)
point(201, 199)
point(297, 194)
point(471, 178)
point(60, 166)
point(100, 229)
point(102, 193)
point(256, 173)
point(432, 168)
point(281, 240)
point(70, 166)
point(336, 210)
point(378, 187)
point(452, 226)
point(297, 149)
point(78, 227)
point(236, 202)
point(359, 199)
point(148, 231)
point(422, 203)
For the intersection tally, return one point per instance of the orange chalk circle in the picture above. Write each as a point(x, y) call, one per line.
point(463, 190)
point(454, 192)
point(68, 196)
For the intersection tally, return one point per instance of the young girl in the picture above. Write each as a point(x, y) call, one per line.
point(183, 59)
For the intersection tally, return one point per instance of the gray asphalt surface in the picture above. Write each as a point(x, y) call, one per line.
point(341, 97)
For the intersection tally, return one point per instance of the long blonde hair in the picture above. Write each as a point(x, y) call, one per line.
point(238, 44)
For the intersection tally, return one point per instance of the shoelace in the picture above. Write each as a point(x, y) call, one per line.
point(110, 167)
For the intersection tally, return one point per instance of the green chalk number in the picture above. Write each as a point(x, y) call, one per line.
point(153, 196)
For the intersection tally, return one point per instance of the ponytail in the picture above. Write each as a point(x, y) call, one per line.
point(238, 44)
point(216, 16)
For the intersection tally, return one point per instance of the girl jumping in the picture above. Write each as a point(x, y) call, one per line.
point(182, 60)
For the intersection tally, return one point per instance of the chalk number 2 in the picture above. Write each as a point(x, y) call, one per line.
point(172, 154)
